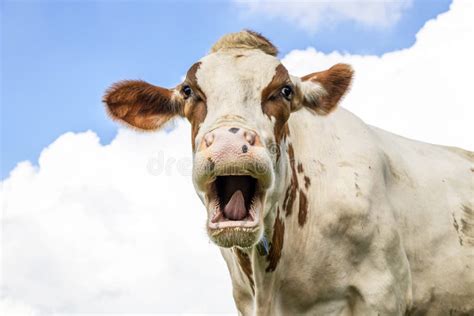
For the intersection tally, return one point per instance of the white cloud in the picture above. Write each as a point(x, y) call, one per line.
point(310, 15)
point(112, 229)
point(12, 308)
point(424, 92)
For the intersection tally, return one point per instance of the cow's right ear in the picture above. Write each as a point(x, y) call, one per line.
point(142, 105)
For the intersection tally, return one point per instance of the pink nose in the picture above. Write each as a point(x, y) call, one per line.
point(227, 137)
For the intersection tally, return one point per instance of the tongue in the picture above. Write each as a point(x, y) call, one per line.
point(235, 208)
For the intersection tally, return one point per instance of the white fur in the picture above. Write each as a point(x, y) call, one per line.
point(380, 237)
point(233, 86)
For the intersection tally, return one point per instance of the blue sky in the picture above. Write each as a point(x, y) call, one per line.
point(58, 57)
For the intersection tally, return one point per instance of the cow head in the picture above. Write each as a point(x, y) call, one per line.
point(238, 100)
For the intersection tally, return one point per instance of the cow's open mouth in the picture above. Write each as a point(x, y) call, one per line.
point(234, 202)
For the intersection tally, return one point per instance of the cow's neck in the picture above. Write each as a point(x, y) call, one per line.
point(257, 265)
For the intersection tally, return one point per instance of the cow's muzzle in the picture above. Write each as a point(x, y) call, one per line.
point(233, 170)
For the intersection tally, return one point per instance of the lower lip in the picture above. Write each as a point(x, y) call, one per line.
point(216, 232)
point(233, 224)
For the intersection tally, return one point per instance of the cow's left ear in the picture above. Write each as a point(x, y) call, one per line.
point(322, 91)
point(142, 105)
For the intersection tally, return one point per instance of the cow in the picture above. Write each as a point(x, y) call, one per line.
point(314, 211)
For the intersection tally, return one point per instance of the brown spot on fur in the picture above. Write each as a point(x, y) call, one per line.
point(245, 264)
point(336, 81)
point(291, 156)
point(191, 80)
point(300, 167)
point(280, 79)
point(293, 187)
point(291, 153)
point(140, 104)
point(307, 182)
point(196, 117)
point(284, 135)
point(291, 198)
point(303, 212)
point(276, 245)
point(286, 131)
point(195, 108)
point(287, 196)
point(274, 105)
point(191, 73)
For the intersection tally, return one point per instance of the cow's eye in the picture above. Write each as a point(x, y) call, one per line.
point(287, 92)
point(187, 91)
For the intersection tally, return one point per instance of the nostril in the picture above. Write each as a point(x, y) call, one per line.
point(209, 139)
point(250, 137)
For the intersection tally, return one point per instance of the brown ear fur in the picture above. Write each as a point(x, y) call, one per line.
point(336, 81)
point(140, 104)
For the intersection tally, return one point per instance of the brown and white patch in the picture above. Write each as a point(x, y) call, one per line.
point(276, 245)
point(335, 83)
point(292, 190)
point(246, 266)
point(141, 105)
point(195, 108)
point(274, 105)
point(303, 209)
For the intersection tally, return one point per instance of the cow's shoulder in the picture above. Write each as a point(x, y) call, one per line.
point(339, 155)
point(350, 220)
point(341, 159)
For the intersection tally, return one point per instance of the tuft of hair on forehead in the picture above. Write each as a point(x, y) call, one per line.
point(245, 39)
